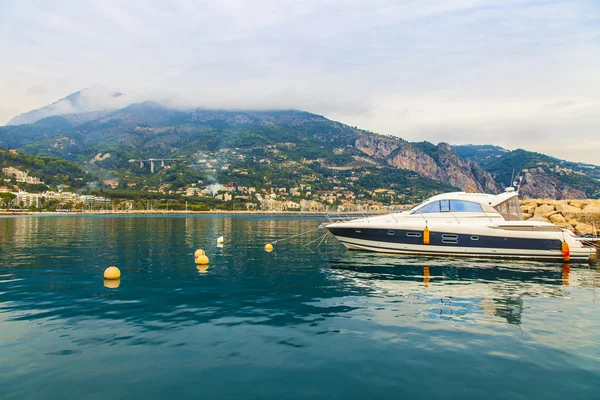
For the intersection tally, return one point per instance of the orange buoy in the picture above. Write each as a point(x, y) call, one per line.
point(565, 251)
point(565, 274)
point(426, 235)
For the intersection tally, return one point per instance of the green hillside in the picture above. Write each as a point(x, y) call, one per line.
point(52, 171)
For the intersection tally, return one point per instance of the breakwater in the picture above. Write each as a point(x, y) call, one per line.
point(580, 216)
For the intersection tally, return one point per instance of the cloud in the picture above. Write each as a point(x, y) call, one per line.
point(460, 71)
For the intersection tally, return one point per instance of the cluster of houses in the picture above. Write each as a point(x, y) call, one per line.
point(26, 199)
point(21, 176)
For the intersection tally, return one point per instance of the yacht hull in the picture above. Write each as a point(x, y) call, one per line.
point(454, 244)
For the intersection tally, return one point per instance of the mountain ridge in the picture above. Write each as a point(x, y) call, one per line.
point(96, 99)
point(292, 137)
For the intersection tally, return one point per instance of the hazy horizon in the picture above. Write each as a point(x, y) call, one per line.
point(518, 74)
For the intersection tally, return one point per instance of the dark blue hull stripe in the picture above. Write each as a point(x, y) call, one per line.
point(459, 254)
point(446, 239)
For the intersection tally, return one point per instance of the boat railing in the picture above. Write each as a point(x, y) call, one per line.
point(590, 240)
point(351, 216)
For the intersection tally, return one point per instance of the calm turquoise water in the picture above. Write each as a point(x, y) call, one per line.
point(300, 322)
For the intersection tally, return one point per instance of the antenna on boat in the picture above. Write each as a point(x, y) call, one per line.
point(518, 182)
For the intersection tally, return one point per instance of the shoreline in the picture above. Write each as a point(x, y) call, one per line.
point(183, 212)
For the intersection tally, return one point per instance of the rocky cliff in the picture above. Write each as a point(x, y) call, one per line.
point(441, 164)
point(542, 185)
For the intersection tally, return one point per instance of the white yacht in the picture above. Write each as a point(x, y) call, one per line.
point(462, 224)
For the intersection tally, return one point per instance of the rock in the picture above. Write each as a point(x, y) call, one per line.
point(584, 229)
point(529, 208)
point(544, 209)
point(539, 218)
point(550, 202)
point(573, 222)
point(565, 225)
point(579, 203)
point(557, 218)
point(592, 208)
point(566, 208)
point(550, 214)
point(526, 216)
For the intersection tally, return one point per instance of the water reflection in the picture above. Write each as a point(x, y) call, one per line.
point(461, 289)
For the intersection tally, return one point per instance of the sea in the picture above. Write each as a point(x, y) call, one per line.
point(309, 320)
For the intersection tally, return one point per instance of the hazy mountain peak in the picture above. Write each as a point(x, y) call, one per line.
point(96, 98)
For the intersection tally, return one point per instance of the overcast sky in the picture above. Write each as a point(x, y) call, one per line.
point(508, 72)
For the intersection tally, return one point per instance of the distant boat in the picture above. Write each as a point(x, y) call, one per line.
point(462, 224)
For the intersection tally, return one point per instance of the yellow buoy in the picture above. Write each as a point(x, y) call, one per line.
point(112, 273)
point(112, 283)
point(426, 235)
point(268, 247)
point(202, 268)
point(199, 253)
point(202, 260)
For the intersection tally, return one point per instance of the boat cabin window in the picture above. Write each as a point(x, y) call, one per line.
point(429, 208)
point(449, 206)
point(464, 206)
point(510, 209)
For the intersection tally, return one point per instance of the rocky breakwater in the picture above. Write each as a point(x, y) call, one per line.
point(580, 216)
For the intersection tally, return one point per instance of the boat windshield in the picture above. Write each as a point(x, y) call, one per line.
point(447, 206)
point(510, 209)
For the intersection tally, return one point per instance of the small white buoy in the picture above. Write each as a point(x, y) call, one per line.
point(220, 240)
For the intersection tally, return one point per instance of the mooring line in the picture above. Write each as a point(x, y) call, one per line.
point(299, 234)
point(312, 241)
point(322, 238)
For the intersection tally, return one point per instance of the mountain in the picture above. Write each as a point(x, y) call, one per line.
point(81, 106)
point(543, 176)
point(282, 148)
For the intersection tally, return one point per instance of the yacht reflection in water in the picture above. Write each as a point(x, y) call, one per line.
point(461, 289)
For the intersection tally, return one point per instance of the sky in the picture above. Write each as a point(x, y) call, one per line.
point(519, 74)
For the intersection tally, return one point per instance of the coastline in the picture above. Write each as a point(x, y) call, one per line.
point(183, 212)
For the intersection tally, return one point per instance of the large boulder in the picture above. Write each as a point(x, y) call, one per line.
point(573, 222)
point(579, 203)
point(566, 225)
point(566, 208)
point(557, 218)
point(584, 229)
point(539, 218)
point(529, 208)
point(544, 209)
point(592, 208)
point(526, 216)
